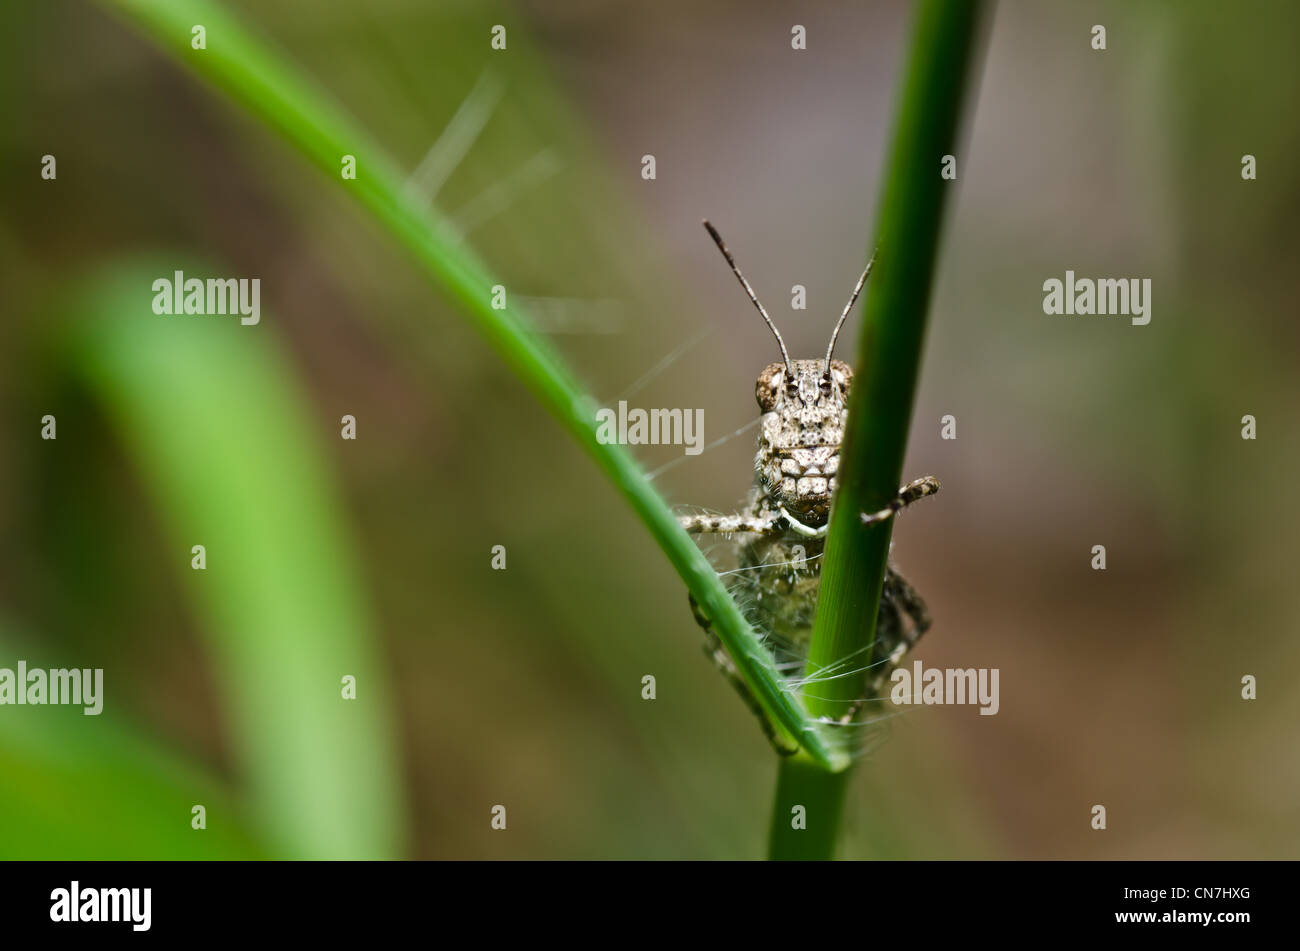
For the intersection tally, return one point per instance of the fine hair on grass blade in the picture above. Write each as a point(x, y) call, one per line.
point(267, 86)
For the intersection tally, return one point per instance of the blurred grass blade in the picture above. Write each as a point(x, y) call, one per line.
point(89, 788)
point(211, 416)
point(944, 41)
point(269, 88)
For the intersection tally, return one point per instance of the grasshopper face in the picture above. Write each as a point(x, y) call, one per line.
point(802, 428)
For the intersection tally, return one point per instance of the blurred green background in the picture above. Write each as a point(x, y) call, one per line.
point(523, 687)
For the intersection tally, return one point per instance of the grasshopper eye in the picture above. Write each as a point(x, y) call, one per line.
point(768, 387)
point(842, 374)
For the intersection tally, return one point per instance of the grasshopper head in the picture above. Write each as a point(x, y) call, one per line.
point(802, 428)
point(804, 404)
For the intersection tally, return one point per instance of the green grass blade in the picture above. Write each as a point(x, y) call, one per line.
point(884, 386)
point(269, 88)
point(212, 419)
point(92, 788)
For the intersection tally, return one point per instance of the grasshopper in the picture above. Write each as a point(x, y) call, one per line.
point(780, 535)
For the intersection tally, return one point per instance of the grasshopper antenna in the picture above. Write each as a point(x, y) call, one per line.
point(717, 239)
point(847, 307)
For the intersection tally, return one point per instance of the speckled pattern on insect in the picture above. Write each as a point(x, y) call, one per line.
point(780, 535)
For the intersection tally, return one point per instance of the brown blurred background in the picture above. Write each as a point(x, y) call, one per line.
point(522, 687)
